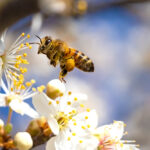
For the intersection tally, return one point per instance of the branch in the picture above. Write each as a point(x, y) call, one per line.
point(12, 11)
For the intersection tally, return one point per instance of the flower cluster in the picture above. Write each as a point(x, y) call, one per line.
point(62, 119)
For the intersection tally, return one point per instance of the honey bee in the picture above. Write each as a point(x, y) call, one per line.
point(58, 52)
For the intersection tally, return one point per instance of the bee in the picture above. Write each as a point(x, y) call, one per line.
point(58, 52)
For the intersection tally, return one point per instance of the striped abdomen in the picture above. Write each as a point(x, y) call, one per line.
point(83, 62)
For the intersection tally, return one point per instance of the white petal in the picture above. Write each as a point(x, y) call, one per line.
point(23, 108)
point(2, 47)
point(60, 142)
point(16, 106)
point(42, 106)
point(53, 124)
point(50, 145)
point(117, 130)
point(2, 100)
point(29, 110)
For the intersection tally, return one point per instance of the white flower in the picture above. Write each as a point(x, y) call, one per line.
point(55, 88)
point(15, 94)
point(60, 111)
point(108, 137)
point(1, 123)
point(9, 59)
point(23, 141)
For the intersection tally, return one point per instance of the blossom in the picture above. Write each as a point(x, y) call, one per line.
point(108, 137)
point(10, 60)
point(59, 111)
point(23, 141)
point(15, 94)
point(66, 116)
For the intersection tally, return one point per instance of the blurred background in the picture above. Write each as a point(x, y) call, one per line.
point(115, 34)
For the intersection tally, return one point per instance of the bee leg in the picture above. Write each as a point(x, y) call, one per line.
point(53, 63)
point(62, 74)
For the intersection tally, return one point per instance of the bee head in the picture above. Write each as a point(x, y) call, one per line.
point(44, 44)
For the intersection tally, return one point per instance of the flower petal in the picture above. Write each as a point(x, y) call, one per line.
point(44, 105)
point(23, 108)
point(53, 124)
point(2, 100)
point(29, 110)
point(50, 145)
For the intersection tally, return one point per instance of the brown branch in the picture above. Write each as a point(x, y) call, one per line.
point(12, 11)
point(101, 6)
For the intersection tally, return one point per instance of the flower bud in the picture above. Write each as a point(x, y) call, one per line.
point(55, 88)
point(23, 141)
point(1, 123)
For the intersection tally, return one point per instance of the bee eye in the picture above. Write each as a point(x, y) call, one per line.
point(47, 41)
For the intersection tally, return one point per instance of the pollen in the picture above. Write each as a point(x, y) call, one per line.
point(75, 99)
point(33, 81)
point(74, 123)
point(27, 44)
point(73, 134)
point(28, 36)
point(34, 89)
point(49, 103)
point(88, 110)
point(24, 54)
point(28, 84)
point(82, 105)
point(69, 138)
point(121, 144)
point(86, 117)
point(23, 34)
point(68, 103)
point(21, 45)
point(69, 93)
point(30, 47)
point(74, 111)
point(88, 126)
point(83, 127)
point(57, 102)
point(80, 141)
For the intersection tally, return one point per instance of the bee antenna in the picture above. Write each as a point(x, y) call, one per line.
point(38, 37)
point(34, 43)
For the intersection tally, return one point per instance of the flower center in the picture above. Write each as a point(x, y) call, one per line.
point(9, 98)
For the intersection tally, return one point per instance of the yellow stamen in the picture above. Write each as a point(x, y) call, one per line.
point(75, 99)
point(81, 105)
point(23, 34)
point(73, 134)
point(88, 110)
point(69, 103)
point(28, 36)
point(86, 117)
point(24, 54)
point(34, 89)
point(69, 93)
point(69, 138)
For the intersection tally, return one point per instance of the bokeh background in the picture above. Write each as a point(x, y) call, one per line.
point(115, 34)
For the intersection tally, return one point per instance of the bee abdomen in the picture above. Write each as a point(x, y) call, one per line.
point(83, 62)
